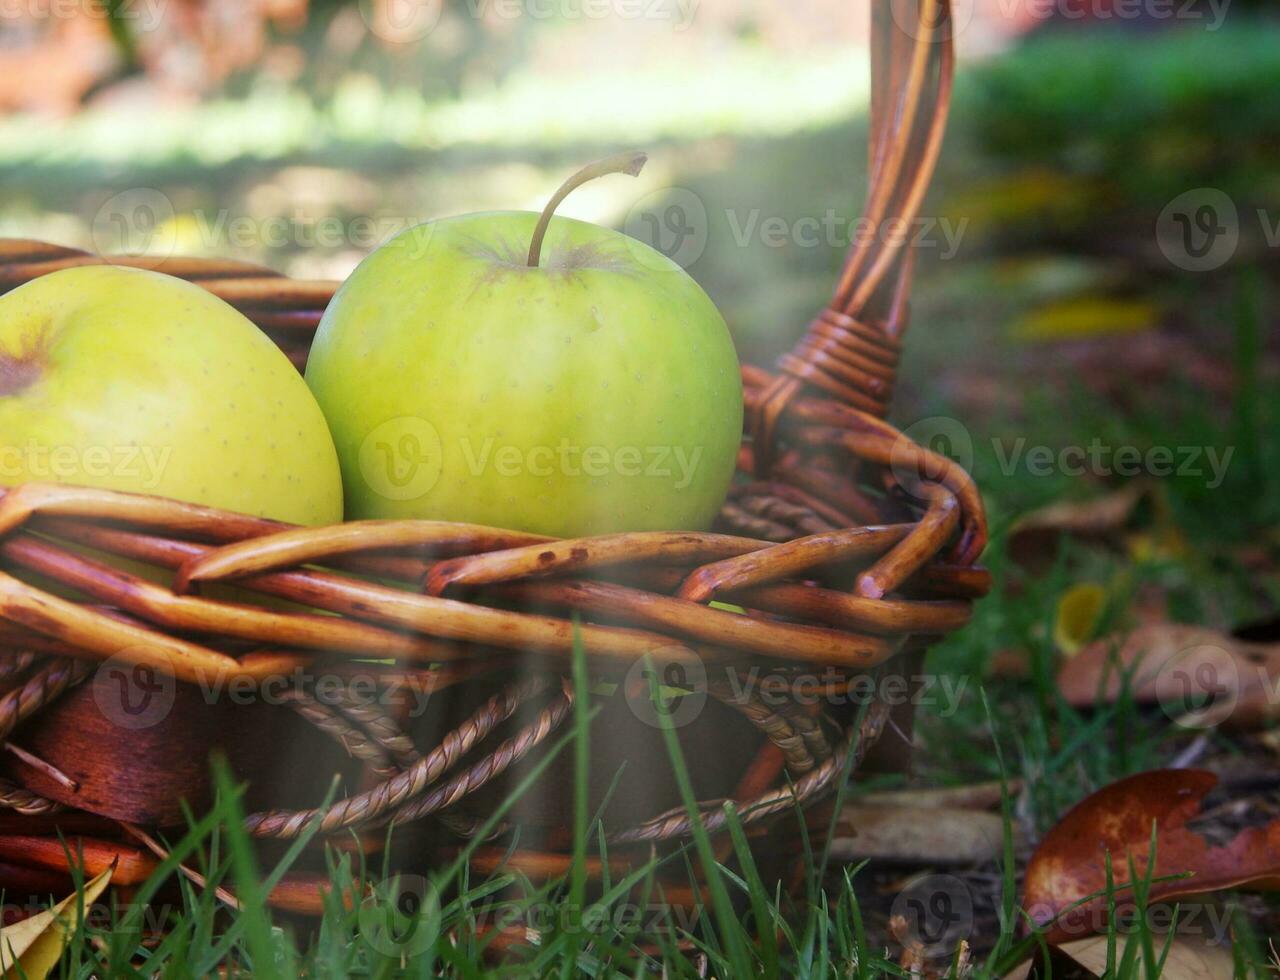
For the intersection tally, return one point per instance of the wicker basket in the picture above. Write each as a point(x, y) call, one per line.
point(847, 546)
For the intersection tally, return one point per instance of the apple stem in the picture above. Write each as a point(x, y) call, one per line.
point(630, 162)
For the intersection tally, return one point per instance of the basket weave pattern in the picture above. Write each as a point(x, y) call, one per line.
point(845, 542)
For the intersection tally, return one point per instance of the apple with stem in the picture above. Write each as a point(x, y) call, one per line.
point(531, 372)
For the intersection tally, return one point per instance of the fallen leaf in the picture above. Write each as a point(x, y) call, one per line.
point(917, 836)
point(1118, 370)
point(975, 796)
point(1162, 543)
point(32, 947)
point(1079, 610)
point(1186, 960)
point(1034, 536)
point(1026, 196)
point(1201, 677)
point(1086, 316)
point(1069, 864)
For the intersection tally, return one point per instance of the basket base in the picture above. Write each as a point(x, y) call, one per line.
point(630, 768)
point(143, 769)
point(145, 759)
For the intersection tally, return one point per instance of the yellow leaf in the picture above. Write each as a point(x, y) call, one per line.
point(1086, 316)
point(32, 947)
point(1079, 609)
point(1163, 543)
point(1023, 197)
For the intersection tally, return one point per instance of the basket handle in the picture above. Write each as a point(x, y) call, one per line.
point(850, 350)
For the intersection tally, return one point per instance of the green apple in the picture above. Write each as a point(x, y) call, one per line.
point(131, 380)
point(533, 373)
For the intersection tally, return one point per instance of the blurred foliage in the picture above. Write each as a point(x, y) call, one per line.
point(1065, 148)
point(1152, 114)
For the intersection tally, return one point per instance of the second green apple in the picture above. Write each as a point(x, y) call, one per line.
point(594, 390)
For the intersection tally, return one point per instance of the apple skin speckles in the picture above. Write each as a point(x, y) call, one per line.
point(132, 359)
point(545, 365)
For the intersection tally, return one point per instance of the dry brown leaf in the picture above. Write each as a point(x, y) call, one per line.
point(918, 836)
point(975, 796)
point(1202, 677)
point(1186, 960)
point(912, 959)
point(1033, 538)
point(1069, 865)
point(1119, 371)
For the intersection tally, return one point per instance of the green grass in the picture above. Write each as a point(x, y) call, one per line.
point(750, 930)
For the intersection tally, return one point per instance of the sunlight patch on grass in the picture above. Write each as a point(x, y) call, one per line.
point(748, 93)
